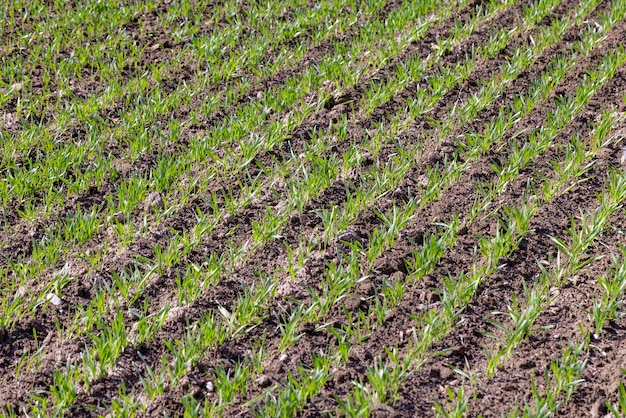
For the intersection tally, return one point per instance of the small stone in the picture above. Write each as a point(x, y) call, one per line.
point(263, 381)
point(54, 299)
point(154, 201)
point(210, 386)
point(17, 86)
point(349, 236)
point(623, 159)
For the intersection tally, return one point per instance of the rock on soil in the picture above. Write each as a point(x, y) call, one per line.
point(54, 299)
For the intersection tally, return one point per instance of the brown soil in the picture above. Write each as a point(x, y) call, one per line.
point(464, 347)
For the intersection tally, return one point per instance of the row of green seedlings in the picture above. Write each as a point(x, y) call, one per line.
point(516, 226)
point(605, 308)
point(90, 218)
point(571, 259)
point(53, 169)
point(98, 257)
point(138, 189)
point(545, 135)
point(247, 56)
point(492, 250)
point(569, 172)
point(121, 51)
point(250, 118)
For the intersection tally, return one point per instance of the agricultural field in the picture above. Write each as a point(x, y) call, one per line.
point(384, 208)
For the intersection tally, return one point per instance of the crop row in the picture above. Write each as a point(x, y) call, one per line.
point(105, 328)
point(290, 322)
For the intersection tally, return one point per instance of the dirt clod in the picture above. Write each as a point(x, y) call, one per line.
point(390, 266)
point(365, 287)
point(154, 201)
point(263, 381)
point(352, 302)
point(380, 410)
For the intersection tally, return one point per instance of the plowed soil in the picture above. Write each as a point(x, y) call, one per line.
point(464, 348)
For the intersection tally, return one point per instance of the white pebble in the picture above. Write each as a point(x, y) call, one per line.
point(54, 299)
